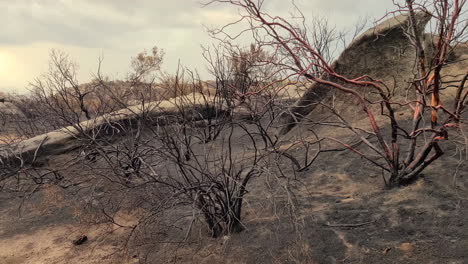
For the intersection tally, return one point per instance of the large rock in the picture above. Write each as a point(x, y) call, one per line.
point(383, 52)
point(7, 108)
point(195, 106)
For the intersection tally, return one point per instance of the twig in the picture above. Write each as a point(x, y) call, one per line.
point(37, 149)
point(349, 225)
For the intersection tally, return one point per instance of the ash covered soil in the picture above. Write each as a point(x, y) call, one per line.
point(336, 212)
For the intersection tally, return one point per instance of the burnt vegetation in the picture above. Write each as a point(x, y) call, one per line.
point(182, 155)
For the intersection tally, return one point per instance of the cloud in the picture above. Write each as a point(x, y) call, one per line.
point(20, 65)
point(91, 23)
point(119, 29)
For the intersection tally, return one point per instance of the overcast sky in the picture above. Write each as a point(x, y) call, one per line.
point(119, 29)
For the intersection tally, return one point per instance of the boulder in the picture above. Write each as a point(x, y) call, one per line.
point(383, 52)
point(195, 106)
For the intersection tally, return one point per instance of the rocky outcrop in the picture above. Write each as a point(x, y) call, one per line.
point(383, 52)
point(195, 106)
point(7, 108)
